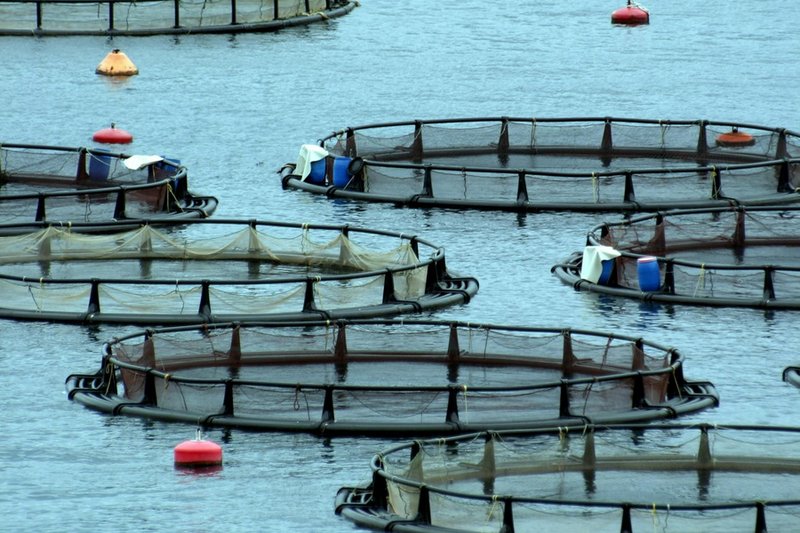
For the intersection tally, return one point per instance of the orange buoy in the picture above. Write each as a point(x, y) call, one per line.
point(198, 453)
point(735, 138)
point(116, 63)
point(112, 135)
point(631, 15)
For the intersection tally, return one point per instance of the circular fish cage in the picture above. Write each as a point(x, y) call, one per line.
point(388, 378)
point(736, 257)
point(92, 185)
point(659, 477)
point(552, 164)
point(218, 270)
point(156, 17)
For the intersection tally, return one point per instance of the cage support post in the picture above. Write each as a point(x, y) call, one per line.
point(563, 408)
point(119, 205)
point(769, 283)
point(453, 350)
point(783, 177)
point(350, 143)
point(629, 195)
point(328, 414)
point(502, 143)
point(704, 459)
point(508, 517)
point(94, 298)
point(204, 309)
point(235, 350)
point(567, 355)
point(380, 492)
point(227, 402)
point(452, 405)
point(417, 149)
point(40, 209)
point(176, 9)
point(82, 175)
point(388, 288)
point(589, 454)
point(702, 142)
point(669, 276)
point(626, 526)
point(488, 462)
point(233, 11)
point(761, 518)
point(522, 188)
point(427, 185)
point(308, 299)
point(424, 508)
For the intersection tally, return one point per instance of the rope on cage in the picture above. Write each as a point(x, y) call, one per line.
point(533, 133)
point(296, 403)
point(595, 188)
point(178, 291)
point(493, 507)
point(701, 279)
point(87, 210)
point(466, 410)
point(677, 385)
point(171, 193)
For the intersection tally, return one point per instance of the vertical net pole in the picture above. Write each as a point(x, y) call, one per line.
point(564, 408)
point(351, 149)
point(176, 6)
point(780, 149)
point(427, 183)
point(669, 276)
point(629, 195)
point(769, 283)
point(111, 15)
point(340, 349)
point(589, 454)
point(204, 308)
point(738, 236)
point(607, 144)
point(452, 405)
point(233, 11)
point(417, 149)
point(424, 509)
point(702, 142)
point(508, 517)
point(119, 205)
point(761, 518)
point(235, 351)
point(41, 213)
point(388, 288)
point(502, 143)
point(308, 299)
point(783, 177)
point(380, 491)
point(626, 526)
point(38, 15)
point(488, 462)
point(704, 458)
point(82, 174)
point(453, 349)
point(94, 297)
point(567, 355)
point(522, 188)
point(327, 405)
point(227, 403)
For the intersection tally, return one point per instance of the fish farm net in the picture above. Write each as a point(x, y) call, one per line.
point(388, 377)
point(213, 270)
point(660, 477)
point(154, 17)
point(734, 256)
point(39, 183)
point(579, 164)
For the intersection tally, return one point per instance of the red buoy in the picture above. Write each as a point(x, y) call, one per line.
point(112, 135)
point(198, 453)
point(735, 138)
point(631, 15)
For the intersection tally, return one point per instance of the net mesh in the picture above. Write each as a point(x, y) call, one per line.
point(149, 15)
point(478, 375)
point(671, 478)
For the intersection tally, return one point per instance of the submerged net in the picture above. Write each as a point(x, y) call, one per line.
point(75, 17)
point(578, 164)
point(629, 478)
point(385, 377)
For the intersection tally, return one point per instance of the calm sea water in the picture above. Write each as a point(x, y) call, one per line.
point(234, 108)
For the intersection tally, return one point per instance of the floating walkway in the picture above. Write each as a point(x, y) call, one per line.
point(218, 270)
point(158, 17)
point(731, 257)
point(553, 164)
point(91, 185)
point(386, 378)
point(621, 478)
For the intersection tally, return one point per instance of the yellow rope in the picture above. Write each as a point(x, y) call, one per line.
point(701, 279)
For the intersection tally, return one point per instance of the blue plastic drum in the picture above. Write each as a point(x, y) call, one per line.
point(649, 274)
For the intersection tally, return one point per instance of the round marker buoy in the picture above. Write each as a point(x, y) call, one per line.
point(198, 453)
point(116, 63)
point(112, 135)
point(630, 15)
point(735, 138)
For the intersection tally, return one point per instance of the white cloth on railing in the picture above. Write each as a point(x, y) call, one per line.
point(309, 153)
point(592, 263)
point(135, 162)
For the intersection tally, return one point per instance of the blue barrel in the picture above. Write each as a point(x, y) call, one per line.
point(341, 174)
point(317, 174)
point(99, 166)
point(605, 275)
point(649, 274)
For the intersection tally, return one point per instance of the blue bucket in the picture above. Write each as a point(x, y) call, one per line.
point(317, 174)
point(605, 275)
point(649, 274)
point(341, 171)
point(99, 166)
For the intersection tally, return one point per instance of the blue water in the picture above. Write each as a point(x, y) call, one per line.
point(233, 109)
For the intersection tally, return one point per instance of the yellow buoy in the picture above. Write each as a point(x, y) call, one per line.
point(116, 63)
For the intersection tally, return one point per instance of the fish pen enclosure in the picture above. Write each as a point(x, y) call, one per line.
point(222, 270)
point(390, 377)
point(66, 185)
point(737, 256)
point(562, 164)
point(621, 478)
point(161, 17)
